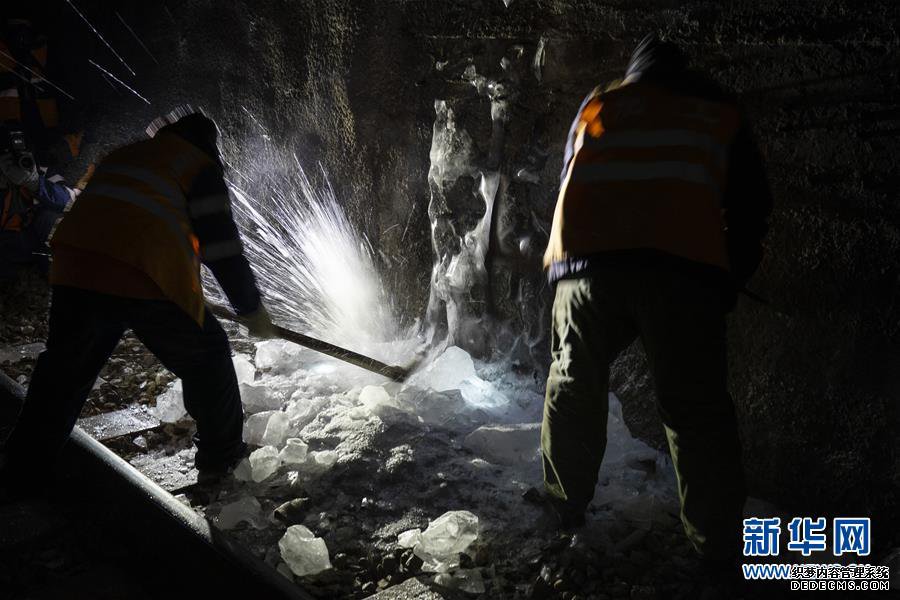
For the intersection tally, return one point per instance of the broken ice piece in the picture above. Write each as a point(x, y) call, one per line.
point(243, 471)
point(255, 427)
point(263, 463)
point(246, 509)
point(447, 371)
point(409, 538)
point(445, 538)
point(277, 356)
point(257, 398)
point(276, 430)
point(170, 404)
point(294, 452)
point(505, 444)
point(303, 552)
point(324, 458)
point(243, 368)
point(375, 396)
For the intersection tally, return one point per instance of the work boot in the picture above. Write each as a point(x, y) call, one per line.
point(213, 474)
point(563, 515)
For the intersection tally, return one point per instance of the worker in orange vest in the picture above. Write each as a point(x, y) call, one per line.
point(127, 255)
point(31, 203)
point(661, 211)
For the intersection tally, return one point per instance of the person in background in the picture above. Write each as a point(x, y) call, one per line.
point(127, 255)
point(31, 203)
point(659, 221)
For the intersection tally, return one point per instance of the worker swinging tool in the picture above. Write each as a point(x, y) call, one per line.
point(127, 256)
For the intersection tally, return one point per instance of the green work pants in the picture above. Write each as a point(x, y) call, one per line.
point(680, 320)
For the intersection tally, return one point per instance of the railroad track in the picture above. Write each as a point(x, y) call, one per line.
point(168, 542)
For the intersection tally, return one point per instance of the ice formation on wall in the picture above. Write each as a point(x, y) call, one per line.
point(459, 297)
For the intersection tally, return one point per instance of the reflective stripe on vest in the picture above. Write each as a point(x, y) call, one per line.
point(164, 188)
point(154, 207)
point(655, 139)
point(647, 171)
point(629, 171)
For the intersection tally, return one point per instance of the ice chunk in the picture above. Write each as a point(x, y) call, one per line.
point(294, 452)
point(257, 398)
point(434, 408)
point(243, 472)
point(409, 539)
point(505, 444)
point(324, 458)
point(376, 400)
point(277, 356)
point(255, 427)
point(276, 430)
point(170, 404)
point(302, 411)
point(445, 538)
point(447, 371)
point(303, 552)
point(243, 368)
point(246, 509)
point(373, 396)
point(264, 462)
point(478, 392)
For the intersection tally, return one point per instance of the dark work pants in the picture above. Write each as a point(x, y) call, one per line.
point(681, 322)
point(85, 327)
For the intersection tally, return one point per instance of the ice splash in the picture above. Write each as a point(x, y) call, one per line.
point(316, 271)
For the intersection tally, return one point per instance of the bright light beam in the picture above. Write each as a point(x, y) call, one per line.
point(38, 75)
point(136, 38)
point(102, 39)
point(119, 81)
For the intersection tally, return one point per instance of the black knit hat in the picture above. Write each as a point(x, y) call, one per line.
point(191, 125)
point(654, 58)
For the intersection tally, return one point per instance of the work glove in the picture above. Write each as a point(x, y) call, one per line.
point(259, 323)
point(17, 175)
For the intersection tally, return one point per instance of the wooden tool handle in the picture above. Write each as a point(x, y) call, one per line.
point(349, 356)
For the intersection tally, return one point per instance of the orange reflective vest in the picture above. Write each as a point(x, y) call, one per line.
point(647, 171)
point(14, 76)
point(134, 211)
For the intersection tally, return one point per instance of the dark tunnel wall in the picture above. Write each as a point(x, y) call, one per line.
point(815, 375)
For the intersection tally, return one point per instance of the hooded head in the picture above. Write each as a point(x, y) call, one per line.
point(656, 60)
point(191, 125)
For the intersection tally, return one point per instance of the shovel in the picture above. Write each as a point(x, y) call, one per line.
point(394, 372)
